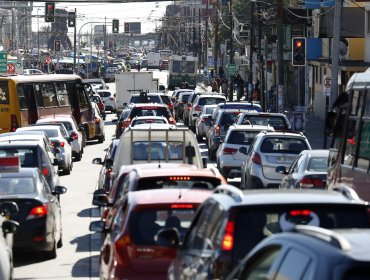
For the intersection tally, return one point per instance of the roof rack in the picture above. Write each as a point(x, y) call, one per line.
point(231, 191)
point(329, 236)
point(347, 192)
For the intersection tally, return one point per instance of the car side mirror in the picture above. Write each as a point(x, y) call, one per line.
point(97, 161)
point(243, 150)
point(58, 190)
point(97, 226)
point(100, 198)
point(9, 226)
point(168, 237)
point(204, 161)
point(281, 170)
point(108, 163)
point(8, 208)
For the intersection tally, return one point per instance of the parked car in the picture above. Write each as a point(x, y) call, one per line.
point(33, 151)
point(60, 139)
point(309, 170)
point(232, 152)
point(204, 122)
point(309, 253)
point(108, 99)
point(135, 227)
point(217, 238)
point(39, 218)
point(278, 121)
point(248, 107)
point(99, 124)
point(268, 151)
point(72, 129)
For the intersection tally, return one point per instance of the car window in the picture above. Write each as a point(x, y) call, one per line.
point(294, 265)
point(210, 101)
point(45, 185)
point(283, 145)
point(298, 163)
point(145, 121)
point(277, 122)
point(95, 99)
point(228, 118)
point(318, 164)
point(184, 98)
point(151, 99)
point(27, 156)
point(149, 111)
point(166, 99)
point(259, 267)
point(158, 150)
point(16, 186)
point(242, 137)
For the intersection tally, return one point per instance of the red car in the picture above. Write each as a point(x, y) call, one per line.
point(163, 65)
point(130, 250)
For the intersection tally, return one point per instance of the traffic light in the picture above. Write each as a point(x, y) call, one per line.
point(49, 12)
point(299, 51)
point(227, 46)
point(71, 19)
point(57, 45)
point(115, 26)
point(127, 27)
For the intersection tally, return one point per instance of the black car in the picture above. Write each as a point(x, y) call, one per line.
point(309, 253)
point(39, 216)
point(230, 223)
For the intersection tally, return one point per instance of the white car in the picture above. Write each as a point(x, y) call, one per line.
point(99, 124)
point(61, 140)
point(230, 155)
point(108, 99)
point(72, 129)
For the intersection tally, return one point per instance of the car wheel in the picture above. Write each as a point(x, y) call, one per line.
point(101, 138)
point(60, 241)
point(52, 254)
point(67, 170)
point(199, 138)
point(78, 156)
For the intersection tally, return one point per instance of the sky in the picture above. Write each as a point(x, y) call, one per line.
point(147, 13)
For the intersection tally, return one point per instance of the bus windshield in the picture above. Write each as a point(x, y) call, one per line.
point(183, 67)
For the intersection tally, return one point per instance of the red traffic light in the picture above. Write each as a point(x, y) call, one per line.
point(298, 44)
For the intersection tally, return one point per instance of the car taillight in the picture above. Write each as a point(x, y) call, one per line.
point(120, 251)
point(171, 120)
point(62, 144)
point(45, 171)
point(109, 170)
point(256, 158)
point(229, 151)
point(307, 182)
point(182, 206)
point(217, 130)
point(126, 122)
point(74, 135)
point(38, 212)
point(197, 108)
point(295, 213)
point(13, 123)
point(228, 240)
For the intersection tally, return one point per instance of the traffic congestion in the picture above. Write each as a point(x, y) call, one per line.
point(145, 168)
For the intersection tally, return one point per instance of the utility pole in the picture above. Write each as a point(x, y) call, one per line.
point(231, 82)
point(280, 58)
point(200, 43)
point(75, 43)
point(261, 75)
point(206, 52)
point(251, 44)
point(217, 40)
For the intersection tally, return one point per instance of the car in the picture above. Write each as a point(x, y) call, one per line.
point(199, 102)
point(60, 139)
point(167, 100)
point(268, 151)
point(33, 151)
point(32, 72)
point(204, 122)
point(146, 98)
point(95, 98)
point(99, 124)
point(230, 155)
point(180, 103)
point(110, 73)
point(108, 99)
point(217, 132)
point(73, 130)
point(163, 65)
point(144, 64)
point(7, 229)
point(278, 121)
point(231, 222)
point(176, 93)
point(40, 222)
point(309, 170)
point(148, 109)
point(120, 123)
point(247, 106)
point(308, 252)
point(130, 250)
point(148, 120)
point(189, 105)
point(104, 174)
point(96, 83)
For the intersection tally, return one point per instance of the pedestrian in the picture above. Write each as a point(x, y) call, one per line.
point(218, 81)
point(214, 85)
point(221, 72)
point(224, 87)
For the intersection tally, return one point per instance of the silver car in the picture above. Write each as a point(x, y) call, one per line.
point(308, 171)
point(268, 151)
point(231, 154)
point(204, 122)
point(277, 120)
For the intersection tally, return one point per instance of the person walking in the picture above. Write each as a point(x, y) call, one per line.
point(225, 87)
point(214, 85)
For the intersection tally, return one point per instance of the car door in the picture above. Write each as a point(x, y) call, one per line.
point(288, 182)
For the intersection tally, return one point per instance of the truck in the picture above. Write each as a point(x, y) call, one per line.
point(128, 83)
point(153, 60)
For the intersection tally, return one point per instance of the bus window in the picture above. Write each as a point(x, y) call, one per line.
point(4, 94)
point(22, 98)
point(363, 161)
point(48, 95)
point(82, 97)
point(62, 94)
point(38, 95)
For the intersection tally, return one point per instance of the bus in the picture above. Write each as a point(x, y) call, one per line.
point(349, 126)
point(26, 98)
point(182, 68)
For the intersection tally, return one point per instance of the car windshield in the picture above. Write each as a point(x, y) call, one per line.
point(318, 164)
point(283, 145)
point(277, 122)
point(241, 137)
point(27, 156)
point(266, 221)
point(16, 186)
point(150, 99)
point(228, 118)
point(210, 101)
point(158, 150)
point(209, 110)
point(178, 182)
point(145, 224)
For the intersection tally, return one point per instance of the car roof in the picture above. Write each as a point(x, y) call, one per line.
point(217, 95)
point(149, 117)
point(143, 166)
point(24, 143)
point(154, 126)
point(149, 105)
point(22, 137)
point(168, 196)
point(357, 238)
point(245, 127)
point(37, 127)
point(173, 171)
point(54, 119)
point(263, 113)
point(283, 133)
point(316, 153)
point(150, 93)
